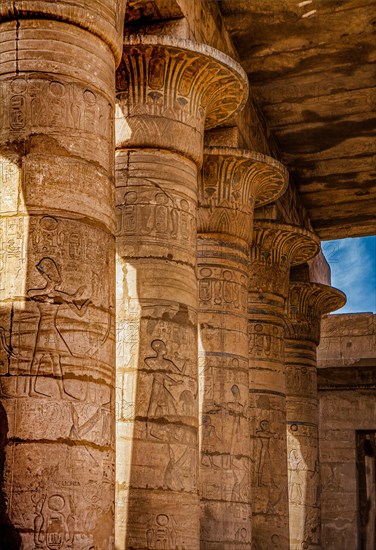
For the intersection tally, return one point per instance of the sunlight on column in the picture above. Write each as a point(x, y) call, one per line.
point(127, 349)
point(201, 385)
point(123, 131)
point(13, 230)
point(297, 476)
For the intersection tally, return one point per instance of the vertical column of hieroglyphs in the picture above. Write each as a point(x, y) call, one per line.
point(233, 181)
point(57, 270)
point(275, 248)
point(169, 90)
point(306, 303)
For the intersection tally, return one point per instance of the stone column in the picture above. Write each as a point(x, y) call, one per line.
point(306, 303)
point(275, 248)
point(169, 91)
point(233, 182)
point(57, 272)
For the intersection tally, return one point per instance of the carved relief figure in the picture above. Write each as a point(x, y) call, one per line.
point(314, 482)
point(179, 473)
point(210, 442)
point(162, 401)
point(161, 534)
point(235, 409)
point(265, 435)
point(50, 343)
point(53, 522)
point(295, 466)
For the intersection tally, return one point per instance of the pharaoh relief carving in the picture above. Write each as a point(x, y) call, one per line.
point(46, 335)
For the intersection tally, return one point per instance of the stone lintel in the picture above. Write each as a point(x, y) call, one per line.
point(104, 18)
point(306, 303)
point(234, 182)
point(170, 90)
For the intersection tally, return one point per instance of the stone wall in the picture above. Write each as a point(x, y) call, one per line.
point(347, 392)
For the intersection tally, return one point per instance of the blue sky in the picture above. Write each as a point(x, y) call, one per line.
point(353, 265)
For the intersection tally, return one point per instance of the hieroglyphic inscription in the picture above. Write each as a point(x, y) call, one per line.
point(265, 340)
point(155, 214)
point(32, 102)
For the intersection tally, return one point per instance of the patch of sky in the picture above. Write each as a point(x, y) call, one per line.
point(353, 265)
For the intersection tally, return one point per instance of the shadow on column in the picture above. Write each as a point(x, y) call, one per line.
point(10, 538)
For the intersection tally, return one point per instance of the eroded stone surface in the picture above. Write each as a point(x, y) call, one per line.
point(274, 249)
point(233, 182)
point(306, 303)
point(346, 379)
point(167, 90)
point(57, 270)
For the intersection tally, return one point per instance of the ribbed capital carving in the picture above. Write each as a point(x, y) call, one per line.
point(276, 247)
point(105, 18)
point(306, 304)
point(233, 182)
point(170, 90)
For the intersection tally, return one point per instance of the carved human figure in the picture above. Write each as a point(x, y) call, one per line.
point(265, 435)
point(295, 466)
point(211, 438)
point(315, 482)
point(162, 401)
point(49, 340)
point(181, 452)
point(6, 344)
point(181, 462)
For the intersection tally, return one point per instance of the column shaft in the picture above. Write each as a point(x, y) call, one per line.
point(168, 90)
point(302, 443)
point(268, 419)
point(233, 181)
point(225, 449)
point(57, 276)
point(305, 305)
point(157, 350)
point(275, 248)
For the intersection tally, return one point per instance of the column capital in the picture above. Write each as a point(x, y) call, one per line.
point(233, 183)
point(104, 18)
point(306, 303)
point(170, 90)
point(276, 247)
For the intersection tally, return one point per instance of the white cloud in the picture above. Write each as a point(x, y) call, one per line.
point(352, 262)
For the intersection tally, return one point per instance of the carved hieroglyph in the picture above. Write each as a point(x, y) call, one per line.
point(56, 272)
point(168, 90)
point(276, 247)
point(232, 182)
point(305, 305)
